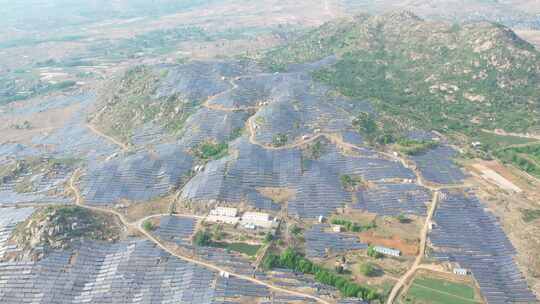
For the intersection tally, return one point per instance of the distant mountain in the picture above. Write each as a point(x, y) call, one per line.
point(430, 74)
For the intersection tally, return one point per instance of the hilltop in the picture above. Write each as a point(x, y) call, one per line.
point(438, 75)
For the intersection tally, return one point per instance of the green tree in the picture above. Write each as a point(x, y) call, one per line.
point(148, 226)
point(202, 238)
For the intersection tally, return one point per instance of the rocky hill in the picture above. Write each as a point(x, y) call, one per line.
point(59, 228)
point(439, 75)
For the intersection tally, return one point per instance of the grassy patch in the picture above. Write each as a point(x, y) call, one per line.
point(244, 248)
point(494, 141)
point(529, 215)
point(435, 291)
point(527, 158)
point(415, 147)
point(350, 226)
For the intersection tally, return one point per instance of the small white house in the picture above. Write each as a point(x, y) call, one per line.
point(321, 218)
point(387, 251)
point(461, 271)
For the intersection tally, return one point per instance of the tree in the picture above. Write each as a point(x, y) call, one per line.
point(270, 261)
point(402, 218)
point(202, 238)
point(268, 237)
point(148, 226)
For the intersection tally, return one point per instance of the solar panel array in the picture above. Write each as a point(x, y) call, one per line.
point(318, 242)
point(471, 236)
point(236, 262)
point(176, 229)
point(127, 272)
point(75, 140)
point(198, 80)
point(47, 187)
point(302, 108)
point(316, 183)
point(437, 166)
point(209, 125)
point(394, 199)
point(138, 177)
point(9, 218)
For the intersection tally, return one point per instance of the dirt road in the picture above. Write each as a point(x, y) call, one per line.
point(138, 226)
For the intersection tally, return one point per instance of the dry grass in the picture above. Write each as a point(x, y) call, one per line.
point(277, 194)
point(136, 211)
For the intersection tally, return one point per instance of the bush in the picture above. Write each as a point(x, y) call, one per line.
point(268, 237)
point(148, 226)
point(207, 151)
point(372, 253)
point(368, 269)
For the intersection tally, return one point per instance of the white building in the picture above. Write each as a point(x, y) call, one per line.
point(223, 215)
point(257, 219)
point(224, 211)
point(461, 271)
point(387, 251)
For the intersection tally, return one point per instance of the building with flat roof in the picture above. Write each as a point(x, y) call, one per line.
point(387, 251)
point(224, 211)
point(223, 215)
point(257, 219)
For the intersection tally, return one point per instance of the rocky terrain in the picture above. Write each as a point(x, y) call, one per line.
point(59, 228)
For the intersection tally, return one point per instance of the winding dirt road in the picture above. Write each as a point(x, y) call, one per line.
point(138, 226)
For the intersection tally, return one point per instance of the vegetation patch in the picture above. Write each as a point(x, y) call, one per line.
point(527, 158)
point(415, 147)
point(530, 215)
point(204, 238)
point(429, 290)
point(130, 102)
point(208, 150)
point(351, 226)
point(293, 260)
point(437, 76)
point(351, 183)
point(247, 249)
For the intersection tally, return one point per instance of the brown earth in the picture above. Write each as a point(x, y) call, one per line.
point(396, 242)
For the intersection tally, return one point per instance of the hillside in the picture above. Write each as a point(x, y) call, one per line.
point(436, 75)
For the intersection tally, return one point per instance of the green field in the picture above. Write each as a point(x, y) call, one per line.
point(527, 158)
point(494, 141)
point(435, 291)
point(244, 248)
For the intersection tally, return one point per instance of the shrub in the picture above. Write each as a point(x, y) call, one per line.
point(148, 226)
point(372, 253)
point(368, 269)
